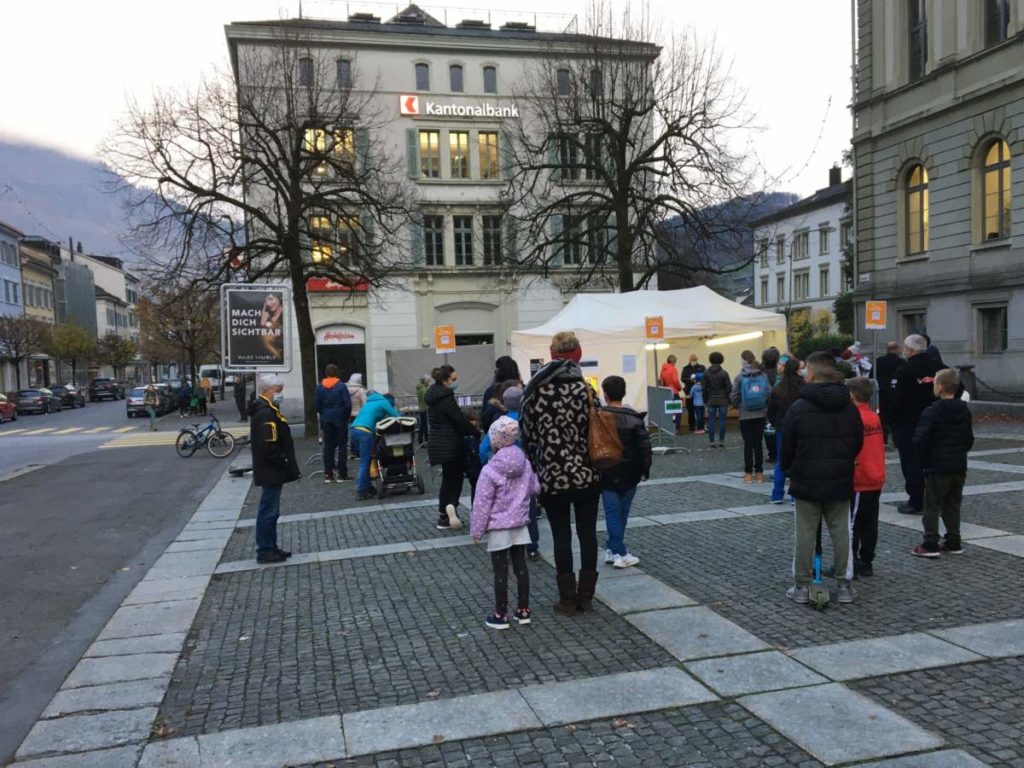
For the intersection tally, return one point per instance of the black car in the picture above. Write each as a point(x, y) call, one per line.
point(106, 389)
point(40, 400)
point(70, 397)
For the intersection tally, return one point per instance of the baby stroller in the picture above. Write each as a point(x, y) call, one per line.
point(395, 459)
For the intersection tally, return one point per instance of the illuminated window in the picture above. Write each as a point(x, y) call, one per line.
point(916, 208)
point(489, 166)
point(430, 154)
point(315, 143)
point(995, 191)
point(458, 149)
point(345, 146)
point(321, 233)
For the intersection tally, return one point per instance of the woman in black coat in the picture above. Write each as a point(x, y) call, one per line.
point(447, 428)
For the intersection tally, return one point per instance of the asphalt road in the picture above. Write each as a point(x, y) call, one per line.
point(79, 533)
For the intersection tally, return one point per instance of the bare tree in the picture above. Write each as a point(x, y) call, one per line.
point(20, 338)
point(181, 325)
point(627, 144)
point(273, 167)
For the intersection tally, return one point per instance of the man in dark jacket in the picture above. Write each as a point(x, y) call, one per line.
point(942, 440)
point(334, 404)
point(689, 376)
point(886, 369)
point(448, 427)
point(821, 437)
point(717, 395)
point(273, 464)
point(914, 391)
point(239, 391)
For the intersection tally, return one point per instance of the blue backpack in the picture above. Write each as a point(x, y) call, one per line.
point(754, 391)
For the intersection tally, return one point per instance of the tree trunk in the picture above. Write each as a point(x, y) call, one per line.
point(17, 374)
point(624, 251)
point(307, 338)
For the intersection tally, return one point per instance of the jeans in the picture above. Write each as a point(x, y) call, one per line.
point(943, 494)
point(779, 488)
point(808, 516)
point(452, 475)
point(913, 475)
point(353, 445)
point(333, 450)
point(698, 417)
point(266, 519)
point(864, 522)
point(616, 515)
point(533, 529)
point(753, 451)
point(364, 447)
point(499, 561)
point(152, 415)
point(584, 504)
point(717, 413)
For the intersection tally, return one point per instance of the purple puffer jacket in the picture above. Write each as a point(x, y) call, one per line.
point(503, 493)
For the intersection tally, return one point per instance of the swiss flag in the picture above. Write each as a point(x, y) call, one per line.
point(409, 105)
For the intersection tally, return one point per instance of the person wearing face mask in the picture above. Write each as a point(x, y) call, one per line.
point(448, 427)
point(273, 464)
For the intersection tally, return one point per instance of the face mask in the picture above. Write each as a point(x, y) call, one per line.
point(454, 385)
point(802, 373)
point(278, 398)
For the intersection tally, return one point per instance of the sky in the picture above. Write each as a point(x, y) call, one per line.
point(70, 65)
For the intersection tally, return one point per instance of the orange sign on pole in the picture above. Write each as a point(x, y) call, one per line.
point(654, 328)
point(444, 339)
point(875, 315)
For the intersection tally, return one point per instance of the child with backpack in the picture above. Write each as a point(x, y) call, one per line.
point(868, 479)
point(750, 392)
point(507, 485)
point(697, 401)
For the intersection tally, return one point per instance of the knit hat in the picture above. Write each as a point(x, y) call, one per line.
point(512, 399)
point(503, 433)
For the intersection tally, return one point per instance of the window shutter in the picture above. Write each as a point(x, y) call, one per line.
point(416, 239)
point(362, 149)
point(558, 247)
point(556, 172)
point(412, 145)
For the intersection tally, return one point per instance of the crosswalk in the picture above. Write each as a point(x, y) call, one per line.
point(54, 431)
point(149, 439)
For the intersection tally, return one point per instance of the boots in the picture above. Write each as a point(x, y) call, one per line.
point(566, 604)
point(585, 595)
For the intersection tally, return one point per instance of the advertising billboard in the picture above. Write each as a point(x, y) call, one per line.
point(255, 329)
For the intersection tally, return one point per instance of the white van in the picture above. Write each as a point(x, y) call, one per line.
point(213, 373)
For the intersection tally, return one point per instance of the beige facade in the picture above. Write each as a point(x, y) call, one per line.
point(38, 273)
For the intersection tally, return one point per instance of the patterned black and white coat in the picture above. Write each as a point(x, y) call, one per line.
point(554, 424)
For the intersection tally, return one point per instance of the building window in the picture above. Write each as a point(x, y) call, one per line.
point(344, 74)
point(315, 143)
point(572, 242)
point(321, 235)
point(845, 232)
point(824, 238)
point(306, 71)
point(490, 79)
point(992, 326)
point(914, 321)
point(764, 290)
point(596, 83)
point(489, 166)
point(422, 77)
point(463, 226)
point(458, 149)
point(995, 191)
point(345, 147)
point(9, 254)
point(801, 245)
point(455, 78)
point(762, 252)
point(916, 210)
point(430, 154)
point(568, 158)
point(593, 155)
point(824, 287)
point(111, 320)
point(348, 240)
point(563, 78)
point(801, 286)
point(492, 239)
point(597, 239)
point(433, 240)
point(917, 30)
point(780, 249)
point(997, 21)
point(780, 288)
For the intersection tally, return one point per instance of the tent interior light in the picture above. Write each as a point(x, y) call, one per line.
point(722, 340)
point(657, 347)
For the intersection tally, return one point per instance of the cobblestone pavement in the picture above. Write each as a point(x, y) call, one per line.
point(1004, 511)
point(1006, 458)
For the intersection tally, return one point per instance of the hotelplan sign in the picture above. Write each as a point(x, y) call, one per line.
point(414, 106)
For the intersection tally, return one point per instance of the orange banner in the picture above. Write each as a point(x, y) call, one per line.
point(654, 328)
point(875, 315)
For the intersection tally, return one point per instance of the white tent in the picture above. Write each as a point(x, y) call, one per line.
point(611, 330)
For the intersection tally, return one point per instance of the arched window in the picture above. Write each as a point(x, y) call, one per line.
point(422, 77)
point(455, 78)
point(916, 210)
point(995, 191)
point(490, 79)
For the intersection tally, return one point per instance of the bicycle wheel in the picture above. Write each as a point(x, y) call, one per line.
point(220, 444)
point(186, 443)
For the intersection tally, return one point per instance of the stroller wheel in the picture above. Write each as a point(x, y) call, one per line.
point(420, 485)
point(380, 487)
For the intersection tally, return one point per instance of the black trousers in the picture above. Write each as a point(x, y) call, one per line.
point(864, 522)
point(943, 495)
point(769, 443)
point(753, 450)
point(559, 508)
point(452, 475)
point(691, 418)
point(913, 475)
point(334, 448)
point(499, 560)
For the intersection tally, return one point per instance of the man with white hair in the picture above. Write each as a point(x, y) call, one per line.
point(912, 394)
point(273, 463)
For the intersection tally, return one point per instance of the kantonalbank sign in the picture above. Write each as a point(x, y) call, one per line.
point(416, 106)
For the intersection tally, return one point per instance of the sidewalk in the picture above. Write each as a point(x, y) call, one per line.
point(368, 647)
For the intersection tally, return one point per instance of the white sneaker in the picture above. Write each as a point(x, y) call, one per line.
point(625, 561)
point(609, 557)
point(453, 517)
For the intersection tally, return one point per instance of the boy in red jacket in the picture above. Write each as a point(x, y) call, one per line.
point(868, 479)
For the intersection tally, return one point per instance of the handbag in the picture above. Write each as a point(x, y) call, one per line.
point(603, 443)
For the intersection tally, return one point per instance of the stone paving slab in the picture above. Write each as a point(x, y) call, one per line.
point(198, 545)
point(151, 619)
point(177, 565)
point(174, 753)
point(414, 725)
point(119, 669)
point(837, 725)
point(1011, 545)
point(690, 517)
point(169, 643)
point(130, 695)
point(882, 656)
point(996, 640)
point(642, 593)
point(271, 746)
point(120, 757)
point(753, 673)
point(624, 694)
point(82, 733)
point(167, 590)
point(695, 633)
point(945, 758)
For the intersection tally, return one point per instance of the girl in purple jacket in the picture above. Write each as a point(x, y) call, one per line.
point(501, 510)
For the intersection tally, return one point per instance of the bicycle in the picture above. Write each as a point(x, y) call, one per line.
point(218, 442)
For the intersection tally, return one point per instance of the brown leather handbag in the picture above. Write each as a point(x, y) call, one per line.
point(603, 441)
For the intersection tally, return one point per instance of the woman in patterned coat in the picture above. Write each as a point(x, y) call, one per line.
point(554, 425)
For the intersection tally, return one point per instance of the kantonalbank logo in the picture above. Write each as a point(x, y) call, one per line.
point(415, 106)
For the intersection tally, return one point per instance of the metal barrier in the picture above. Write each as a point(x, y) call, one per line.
point(665, 436)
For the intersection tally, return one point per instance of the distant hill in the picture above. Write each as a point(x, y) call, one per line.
point(57, 195)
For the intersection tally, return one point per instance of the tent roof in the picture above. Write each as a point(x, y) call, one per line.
point(687, 313)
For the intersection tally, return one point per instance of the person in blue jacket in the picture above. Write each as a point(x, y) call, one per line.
point(376, 408)
point(334, 405)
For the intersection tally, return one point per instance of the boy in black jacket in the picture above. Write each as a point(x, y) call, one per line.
point(618, 483)
point(943, 437)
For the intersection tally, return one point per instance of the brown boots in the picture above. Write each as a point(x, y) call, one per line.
point(585, 593)
point(567, 594)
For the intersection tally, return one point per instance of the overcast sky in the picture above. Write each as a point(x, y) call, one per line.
point(68, 65)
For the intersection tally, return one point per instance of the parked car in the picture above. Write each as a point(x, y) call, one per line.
point(106, 389)
point(70, 397)
point(135, 402)
point(8, 411)
point(168, 398)
point(39, 400)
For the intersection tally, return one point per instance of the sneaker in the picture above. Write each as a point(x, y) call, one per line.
point(494, 621)
point(951, 549)
point(865, 569)
point(777, 501)
point(442, 523)
point(533, 555)
point(748, 478)
point(921, 551)
point(328, 478)
point(759, 477)
point(453, 517)
point(285, 552)
point(522, 616)
point(798, 594)
point(341, 478)
point(700, 432)
point(904, 508)
point(625, 561)
point(847, 594)
point(273, 556)
point(609, 557)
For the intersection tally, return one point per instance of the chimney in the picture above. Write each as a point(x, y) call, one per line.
point(835, 175)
